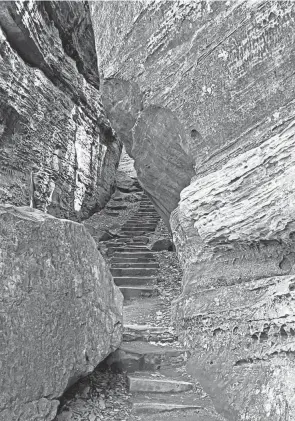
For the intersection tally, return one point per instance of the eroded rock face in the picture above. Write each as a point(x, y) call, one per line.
point(220, 67)
point(242, 338)
point(162, 165)
point(61, 313)
point(225, 70)
point(57, 148)
point(155, 138)
point(234, 232)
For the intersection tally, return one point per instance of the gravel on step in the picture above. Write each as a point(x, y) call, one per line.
point(103, 395)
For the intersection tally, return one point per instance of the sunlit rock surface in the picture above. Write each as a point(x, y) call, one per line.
point(57, 149)
point(224, 71)
point(60, 312)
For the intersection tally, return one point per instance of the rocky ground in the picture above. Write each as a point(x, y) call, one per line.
point(104, 395)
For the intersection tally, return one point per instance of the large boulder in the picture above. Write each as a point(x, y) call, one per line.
point(57, 149)
point(61, 313)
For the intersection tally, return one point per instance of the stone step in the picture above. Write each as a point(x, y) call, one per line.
point(139, 227)
point(132, 233)
point(145, 333)
point(143, 356)
point(139, 224)
point(138, 239)
point(114, 244)
point(146, 384)
point(143, 213)
point(128, 230)
point(140, 408)
point(130, 291)
point(134, 255)
point(142, 209)
point(137, 281)
point(132, 266)
point(128, 249)
point(141, 219)
point(133, 271)
point(129, 190)
point(130, 260)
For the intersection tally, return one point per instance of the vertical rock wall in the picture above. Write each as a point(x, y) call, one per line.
point(216, 86)
point(57, 149)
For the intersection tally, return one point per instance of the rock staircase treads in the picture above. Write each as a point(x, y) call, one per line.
point(132, 259)
point(145, 383)
point(145, 333)
point(146, 408)
point(144, 312)
point(115, 244)
point(116, 207)
point(135, 230)
point(133, 233)
point(134, 266)
point(130, 291)
point(137, 281)
point(139, 255)
point(128, 249)
point(144, 221)
point(195, 399)
point(140, 224)
point(143, 356)
point(129, 190)
point(134, 271)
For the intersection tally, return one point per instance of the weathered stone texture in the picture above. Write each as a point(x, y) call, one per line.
point(53, 131)
point(242, 338)
point(225, 69)
point(234, 232)
point(61, 313)
point(221, 74)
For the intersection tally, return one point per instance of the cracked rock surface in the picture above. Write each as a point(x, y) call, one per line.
point(61, 313)
point(57, 149)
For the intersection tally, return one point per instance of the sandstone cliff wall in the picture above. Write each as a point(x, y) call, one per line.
point(212, 84)
point(224, 69)
point(56, 145)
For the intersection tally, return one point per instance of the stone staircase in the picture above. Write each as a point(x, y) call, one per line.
point(150, 354)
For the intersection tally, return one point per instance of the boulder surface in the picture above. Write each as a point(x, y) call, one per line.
point(60, 312)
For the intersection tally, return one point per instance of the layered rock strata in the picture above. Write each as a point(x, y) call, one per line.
point(234, 232)
point(221, 68)
point(61, 313)
point(224, 72)
point(57, 149)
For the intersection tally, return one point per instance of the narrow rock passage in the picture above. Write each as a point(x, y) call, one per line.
point(150, 353)
point(145, 379)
